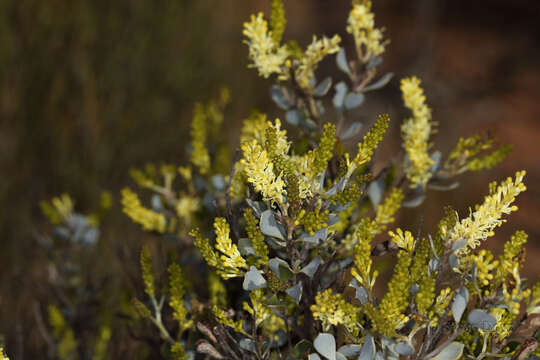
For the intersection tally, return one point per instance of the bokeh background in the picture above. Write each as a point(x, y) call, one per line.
point(91, 88)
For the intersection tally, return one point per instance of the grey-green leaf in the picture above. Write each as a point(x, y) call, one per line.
point(404, 349)
point(379, 83)
point(311, 268)
point(323, 87)
point(368, 349)
point(254, 280)
point(350, 350)
point(279, 98)
point(314, 356)
point(341, 61)
point(295, 292)
point(280, 268)
point(269, 225)
point(325, 344)
point(353, 100)
point(294, 117)
point(481, 319)
point(375, 191)
point(460, 304)
point(352, 131)
point(245, 247)
point(453, 351)
point(341, 90)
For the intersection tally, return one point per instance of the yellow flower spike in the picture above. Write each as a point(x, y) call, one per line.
point(479, 225)
point(332, 310)
point(264, 315)
point(177, 288)
point(231, 257)
point(255, 236)
point(200, 156)
point(416, 132)
point(148, 219)
point(187, 206)
point(147, 272)
point(315, 52)
point(260, 172)
point(264, 52)
point(371, 140)
point(361, 25)
point(404, 240)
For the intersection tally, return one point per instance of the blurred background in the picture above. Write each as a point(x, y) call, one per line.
point(92, 88)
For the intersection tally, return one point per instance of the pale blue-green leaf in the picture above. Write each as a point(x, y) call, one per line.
point(368, 349)
point(341, 61)
point(414, 199)
point(458, 244)
point(314, 356)
point(481, 319)
point(253, 279)
point(341, 90)
point(460, 304)
point(333, 219)
point(90, 236)
point(247, 344)
point(340, 356)
point(379, 83)
point(311, 268)
point(361, 293)
point(295, 292)
point(218, 181)
point(453, 351)
point(325, 344)
point(279, 98)
point(414, 289)
point(269, 225)
point(433, 265)
point(350, 350)
point(352, 131)
point(453, 261)
point(404, 349)
point(294, 117)
point(257, 207)
point(315, 238)
point(245, 247)
point(323, 87)
point(353, 100)
point(437, 186)
point(281, 268)
point(375, 191)
point(374, 62)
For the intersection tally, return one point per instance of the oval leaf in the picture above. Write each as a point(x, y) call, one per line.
point(368, 349)
point(379, 83)
point(481, 319)
point(350, 350)
point(311, 268)
point(404, 349)
point(253, 280)
point(453, 351)
point(323, 87)
point(269, 225)
point(460, 304)
point(325, 344)
point(295, 292)
point(280, 268)
point(341, 90)
point(314, 356)
point(341, 61)
point(279, 98)
point(353, 100)
point(352, 131)
point(293, 117)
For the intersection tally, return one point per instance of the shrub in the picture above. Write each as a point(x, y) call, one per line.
point(274, 256)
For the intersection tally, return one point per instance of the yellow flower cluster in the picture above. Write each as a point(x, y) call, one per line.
point(2, 355)
point(199, 155)
point(464, 156)
point(315, 52)
point(264, 52)
point(231, 262)
point(313, 221)
point(262, 313)
point(479, 225)
point(332, 310)
point(490, 160)
point(259, 170)
point(504, 322)
point(148, 219)
point(224, 319)
point(440, 306)
point(147, 272)
point(486, 267)
point(58, 210)
point(231, 257)
point(67, 344)
point(361, 25)
point(370, 141)
point(362, 236)
point(317, 159)
point(217, 290)
point(416, 132)
point(514, 294)
point(390, 205)
point(511, 255)
point(177, 289)
point(255, 236)
point(187, 206)
point(404, 240)
point(277, 20)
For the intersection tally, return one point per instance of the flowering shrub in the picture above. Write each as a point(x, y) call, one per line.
point(283, 235)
